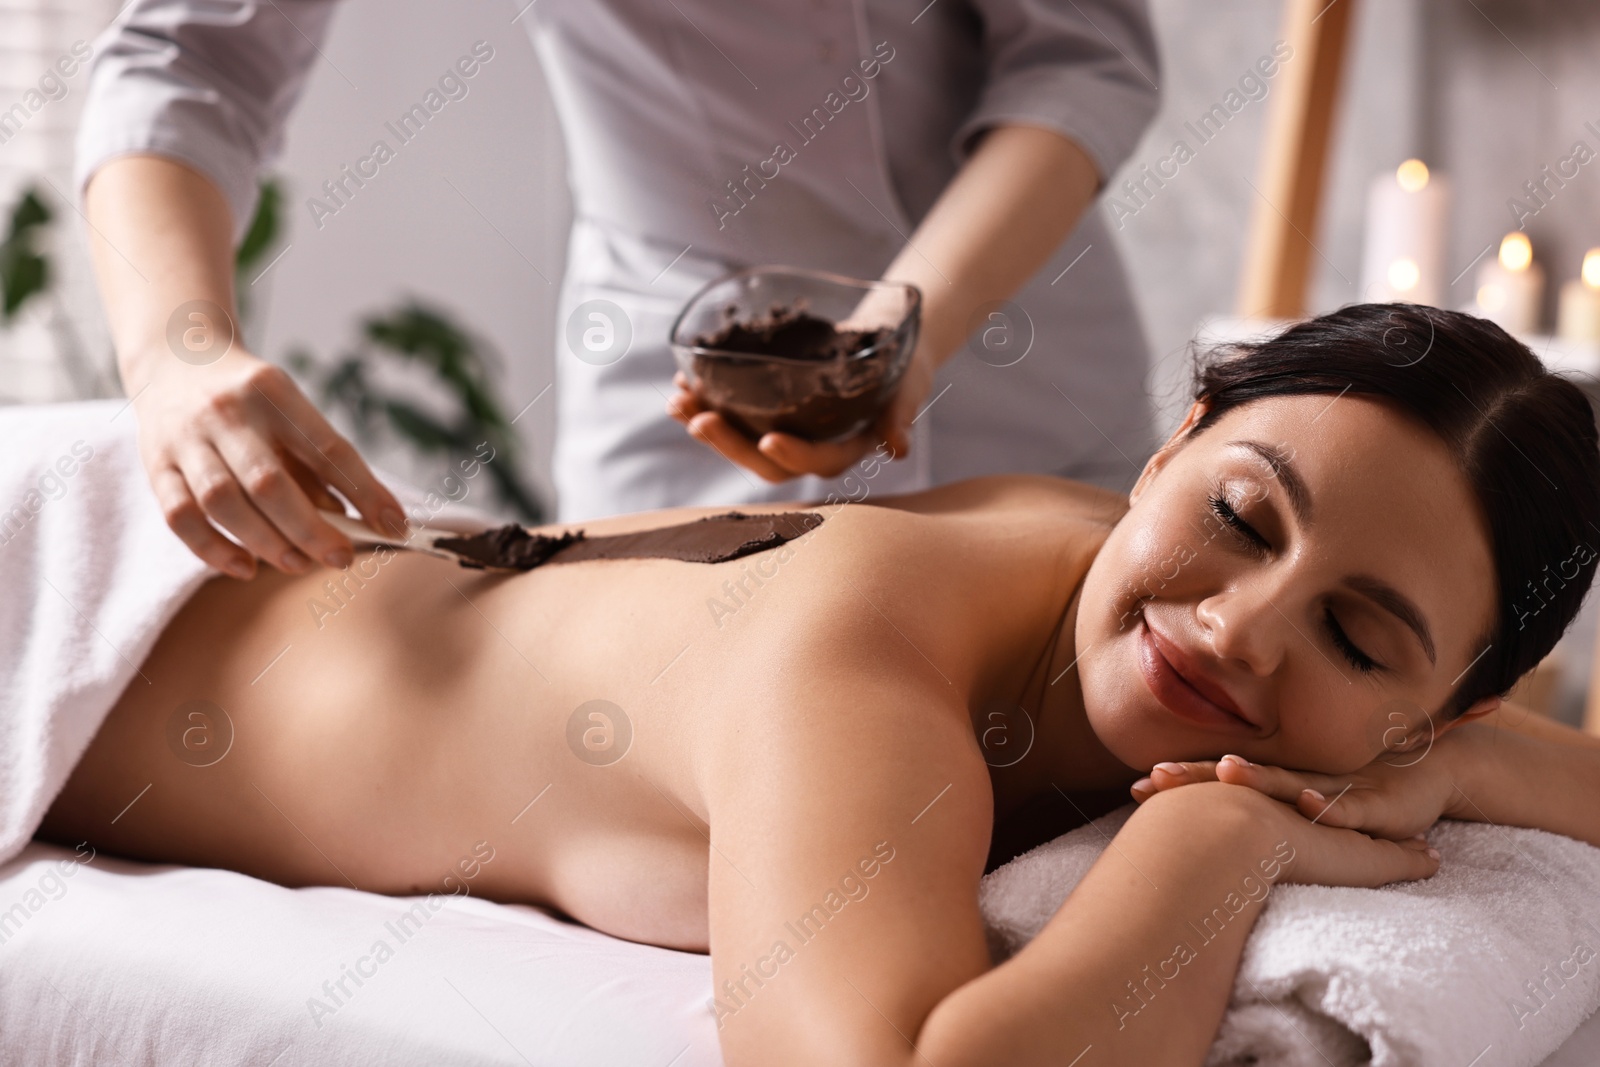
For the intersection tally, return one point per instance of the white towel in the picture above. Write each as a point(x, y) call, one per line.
point(89, 577)
point(1495, 960)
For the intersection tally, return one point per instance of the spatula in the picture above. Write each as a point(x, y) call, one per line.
point(419, 539)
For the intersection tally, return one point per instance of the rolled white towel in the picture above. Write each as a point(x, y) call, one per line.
point(1494, 960)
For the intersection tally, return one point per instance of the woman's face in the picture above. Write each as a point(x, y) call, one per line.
point(1302, 584)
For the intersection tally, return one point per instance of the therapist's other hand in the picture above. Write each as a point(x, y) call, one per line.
point(777, 457)
point(235, 445)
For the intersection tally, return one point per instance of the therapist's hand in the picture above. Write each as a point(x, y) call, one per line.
point(235, 445)
point(777, 457)
point(229, 442)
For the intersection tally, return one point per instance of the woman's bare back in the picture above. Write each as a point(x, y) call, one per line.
point(409, 726)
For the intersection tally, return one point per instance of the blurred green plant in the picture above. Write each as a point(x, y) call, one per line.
point(412, 334)
point(259, 239)
point(26, 278)
point(421, 335)
point(24, 271)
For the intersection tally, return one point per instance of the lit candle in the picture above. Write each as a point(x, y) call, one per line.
point(1510, 286)
point(1404, 254)
point(1580, 303)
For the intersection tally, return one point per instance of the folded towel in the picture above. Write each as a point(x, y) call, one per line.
point(91, 575)
point(1494, 960)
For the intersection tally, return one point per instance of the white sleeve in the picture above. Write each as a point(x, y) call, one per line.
point(1085, 68)
point(209, 83)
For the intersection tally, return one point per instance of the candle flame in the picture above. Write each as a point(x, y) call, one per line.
point(1591, 268)
point(1404, 275)
point(1412, 175)
point(1516, 252)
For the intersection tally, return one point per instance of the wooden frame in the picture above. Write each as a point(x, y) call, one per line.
point(1283, 224)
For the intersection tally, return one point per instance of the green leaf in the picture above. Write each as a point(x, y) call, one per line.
point(24, 272)
point(417, 334)
point(264, 227)
point(29, 213)
point(421, 428)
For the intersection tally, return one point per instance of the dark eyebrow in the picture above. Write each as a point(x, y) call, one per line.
point(1397, 604)
point(1284, 470)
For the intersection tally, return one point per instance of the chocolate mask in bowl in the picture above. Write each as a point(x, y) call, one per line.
point(785, 363)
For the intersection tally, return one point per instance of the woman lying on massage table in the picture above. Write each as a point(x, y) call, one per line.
point(1364, 532)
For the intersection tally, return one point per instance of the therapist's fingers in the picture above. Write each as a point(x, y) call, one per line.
point(275, 500)
point(311, 485)
point(328, 455)
point(714, 430)
point(188, 520)
point(776, 456)
point(683, 405)
point(895, 432)
point(894, 424)
point(826, 458)
point(218, 489)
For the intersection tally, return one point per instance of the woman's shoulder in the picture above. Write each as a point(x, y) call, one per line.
point(983, 527)
point(1012, 496)
point(991, 524)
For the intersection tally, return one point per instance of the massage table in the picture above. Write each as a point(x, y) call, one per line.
point(136, 964)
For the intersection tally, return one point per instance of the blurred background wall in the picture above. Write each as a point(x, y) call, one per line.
point(472, 216)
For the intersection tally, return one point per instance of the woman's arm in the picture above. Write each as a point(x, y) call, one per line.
point(850, 830)
point(999, 220)
point(1517, 768)
point(1520, 720)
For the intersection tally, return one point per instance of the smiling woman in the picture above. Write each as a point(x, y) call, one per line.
point(1338, 529)
point(1384, 489)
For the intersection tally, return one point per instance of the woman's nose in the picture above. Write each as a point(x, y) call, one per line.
point(1245, 625)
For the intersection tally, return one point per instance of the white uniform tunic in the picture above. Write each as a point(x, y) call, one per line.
point(807, 133)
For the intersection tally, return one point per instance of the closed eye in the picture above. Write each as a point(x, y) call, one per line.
point(1358, 659)
point(1244, 530)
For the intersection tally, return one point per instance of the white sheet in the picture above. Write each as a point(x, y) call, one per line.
point(126, 963)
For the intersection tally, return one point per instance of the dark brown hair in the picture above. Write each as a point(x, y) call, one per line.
point(1524, 437)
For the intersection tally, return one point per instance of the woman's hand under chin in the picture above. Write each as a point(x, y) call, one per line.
point(1280, 841)
point(1397, 796)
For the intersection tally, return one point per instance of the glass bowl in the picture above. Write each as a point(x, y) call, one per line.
point(833, 391)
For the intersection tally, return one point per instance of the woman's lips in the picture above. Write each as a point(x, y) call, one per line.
point(1176, 694)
